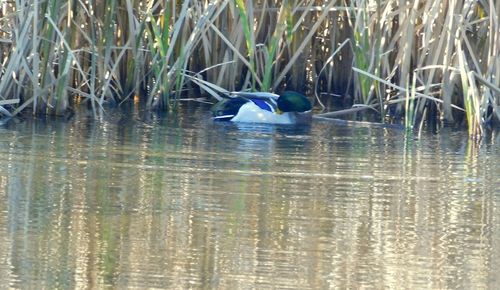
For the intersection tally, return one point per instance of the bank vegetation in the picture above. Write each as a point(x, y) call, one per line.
point(415, 62)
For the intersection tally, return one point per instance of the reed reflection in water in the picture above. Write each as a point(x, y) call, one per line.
point(193, 204)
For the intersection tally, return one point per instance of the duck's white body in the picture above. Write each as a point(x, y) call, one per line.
point(250, 112)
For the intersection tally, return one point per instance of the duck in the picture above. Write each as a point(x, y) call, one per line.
point(289, 107)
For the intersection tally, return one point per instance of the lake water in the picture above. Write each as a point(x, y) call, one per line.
point(137, 201)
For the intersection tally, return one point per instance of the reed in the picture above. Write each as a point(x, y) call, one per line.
point(419, 62)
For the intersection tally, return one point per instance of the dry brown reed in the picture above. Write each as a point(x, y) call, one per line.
point(435, 60)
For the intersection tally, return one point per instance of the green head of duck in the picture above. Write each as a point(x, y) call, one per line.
point(290, 101)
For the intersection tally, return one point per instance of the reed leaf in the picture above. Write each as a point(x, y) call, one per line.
point(271, 51)
point(324, 13)
point(245, 9)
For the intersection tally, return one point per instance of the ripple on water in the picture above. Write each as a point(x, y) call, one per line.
point(191, 204)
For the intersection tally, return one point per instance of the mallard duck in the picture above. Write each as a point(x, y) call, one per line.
point(261, 107)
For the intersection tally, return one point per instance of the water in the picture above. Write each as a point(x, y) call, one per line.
point(138, 202)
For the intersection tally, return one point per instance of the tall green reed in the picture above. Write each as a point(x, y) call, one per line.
point(246, 20)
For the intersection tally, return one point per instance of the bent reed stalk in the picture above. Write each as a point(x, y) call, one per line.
point(419, 62)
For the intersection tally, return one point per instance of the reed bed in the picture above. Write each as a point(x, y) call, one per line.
point(421, 62)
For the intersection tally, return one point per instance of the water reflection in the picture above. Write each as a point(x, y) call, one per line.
point(167, 203)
